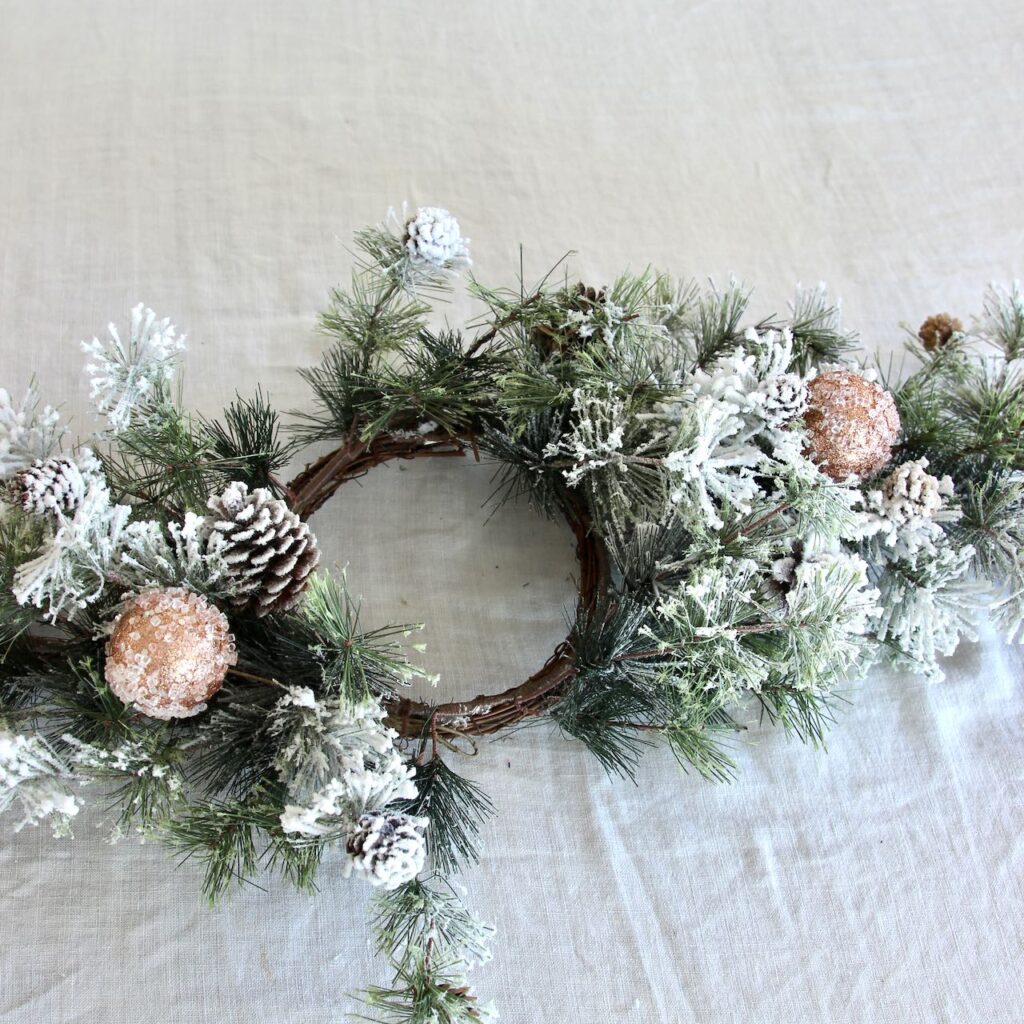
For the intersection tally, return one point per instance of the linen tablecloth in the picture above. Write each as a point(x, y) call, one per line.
point(212, 160)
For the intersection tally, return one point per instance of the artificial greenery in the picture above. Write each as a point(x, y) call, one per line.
point(724, 577)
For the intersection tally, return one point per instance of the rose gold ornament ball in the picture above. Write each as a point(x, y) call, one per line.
point(168, 653)
point(852, 424)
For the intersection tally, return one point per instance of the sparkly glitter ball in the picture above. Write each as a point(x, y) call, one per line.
point(169, 653)
point(852, 424)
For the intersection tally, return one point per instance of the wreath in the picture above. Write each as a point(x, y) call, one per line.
point(758, 519)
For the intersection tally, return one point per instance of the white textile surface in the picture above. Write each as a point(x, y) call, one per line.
point(212, 159)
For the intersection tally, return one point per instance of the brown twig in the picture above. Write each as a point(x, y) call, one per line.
point(252, 677)
point(489, 335)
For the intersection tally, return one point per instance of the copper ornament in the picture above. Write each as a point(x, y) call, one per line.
point(852, 424)
point(169, 653)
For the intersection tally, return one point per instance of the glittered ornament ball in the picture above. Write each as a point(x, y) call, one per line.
point(852, 424)
point(168, 653)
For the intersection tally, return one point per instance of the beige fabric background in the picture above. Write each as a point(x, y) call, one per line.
point(212, 159)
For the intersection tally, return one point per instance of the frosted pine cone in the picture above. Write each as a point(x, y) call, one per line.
point(938, 330)
point(910, 493)
point(269, 551)
point(54, 486)
point(785, 398)
point(389, 848)
point(433, 237)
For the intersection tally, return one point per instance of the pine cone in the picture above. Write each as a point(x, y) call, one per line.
point(785, 398)
point(389, 848)
point(50, 487)
point(269, 551)
point(587, 296)
point(910, 492)
point(553, 339)
point(937, 331)
point(433, 237)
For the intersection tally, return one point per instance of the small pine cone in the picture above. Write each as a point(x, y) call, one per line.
point(782, 575)
point(269, 550)
point(587, 296)
point(50, 487)
point(433, 236)
point(389, 848)
point(936, 331)
point(785, 398)
point(910, 492)
point(552, 339)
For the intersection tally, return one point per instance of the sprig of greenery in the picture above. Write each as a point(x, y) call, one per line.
point(235, 840)
point(248, 445)
point(431, 941)
point(456, 809)
point(355, 663)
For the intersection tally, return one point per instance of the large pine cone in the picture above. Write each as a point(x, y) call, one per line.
point(270, 551)
point(49, 487)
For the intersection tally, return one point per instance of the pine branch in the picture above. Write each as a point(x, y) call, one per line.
point(817, 335)
point(716, 323)
point(806, 714)
point(235, 840)
point(456, 809)
point(355, 663)
point(21, 539)
point(431, 940)
point(248, 444)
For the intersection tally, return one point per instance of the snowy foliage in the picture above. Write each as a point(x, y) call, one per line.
point(337, 762)
point(175, 554)
point(71, 571)
point(819, 631)
point(755, 379)
point(131, 377)
point(703, 621)
point(131, 757)
point(711, 463)
point(27, 433)
point(33, 775)
point(928, 604)
point(596, 438)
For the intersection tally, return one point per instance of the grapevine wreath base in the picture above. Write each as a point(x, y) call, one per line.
point(487, 713)
point(758, 519)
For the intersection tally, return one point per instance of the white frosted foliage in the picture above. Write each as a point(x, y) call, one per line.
point(32, 774)
point(27, 433)
point(130, 376)
point(338, 761)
